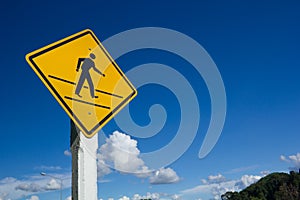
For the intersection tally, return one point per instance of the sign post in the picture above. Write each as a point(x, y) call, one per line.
point(92, 89)
point(84, 167)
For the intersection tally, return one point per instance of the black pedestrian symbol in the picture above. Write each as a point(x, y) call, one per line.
point(87, 64)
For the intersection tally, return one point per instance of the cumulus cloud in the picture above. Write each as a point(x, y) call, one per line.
point(293, 159)
point(136, 197)
point(12, 188)
point(264, 173)
point(34, 197)
point(149, 195)
point(52, 185)
point(69, 198)
point(164, 176)
point(283, 158)
point(67, 153)
point(102, 168)
point(124, 198)
point(156, 196)
point(32, 187)
point(7, 188)
point(8, 180)
point(247, 180)
point(214, 179)
point(3, 196)
point(152, 196)
point(121, 152)
point(175, 197)
point(216, 185)
point(214, 189)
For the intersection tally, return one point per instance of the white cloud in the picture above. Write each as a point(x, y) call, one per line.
point(34, 197)
point(32, 187)
point(69, 198)
point(110, 198)
point(7, 188)
point(124, 198)
point(264, 173)
point(164, 176)
point(293, 159)
point(7, 180)
point(152, 196)
point(12, 188)
point(52, 185)
point(247, 180)
point(175, 197)
point(218, 185)
point(283, 158)
point(214, 189)
point(67, 153)
point(121, 153)
point(3, 196)
point(214, 179)
point(136, 197)
point(102, 168)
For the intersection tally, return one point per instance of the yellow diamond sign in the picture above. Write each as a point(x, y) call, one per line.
point(84, 79)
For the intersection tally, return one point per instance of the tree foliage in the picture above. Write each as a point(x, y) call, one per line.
point(275, 186)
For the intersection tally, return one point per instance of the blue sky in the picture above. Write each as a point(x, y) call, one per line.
point(255, 46)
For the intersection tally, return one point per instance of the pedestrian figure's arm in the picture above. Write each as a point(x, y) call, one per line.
point(79, 63)
point(98, 71)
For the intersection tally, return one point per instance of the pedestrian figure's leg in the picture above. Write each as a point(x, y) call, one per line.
point(80, 83)
point(91, 85)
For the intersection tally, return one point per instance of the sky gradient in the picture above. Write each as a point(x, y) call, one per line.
point(255, 46)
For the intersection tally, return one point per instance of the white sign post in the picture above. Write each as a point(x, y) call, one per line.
point(84, 165)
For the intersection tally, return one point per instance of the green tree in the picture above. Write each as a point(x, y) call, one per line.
point(276, 186)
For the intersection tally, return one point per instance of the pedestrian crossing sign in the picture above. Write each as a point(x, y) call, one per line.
point(84, 79)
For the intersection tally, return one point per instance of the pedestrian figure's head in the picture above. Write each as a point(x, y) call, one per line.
point(92, 56)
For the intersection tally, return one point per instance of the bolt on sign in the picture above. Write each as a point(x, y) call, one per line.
point(84, 79)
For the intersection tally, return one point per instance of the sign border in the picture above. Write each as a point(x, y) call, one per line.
point(59, 98)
